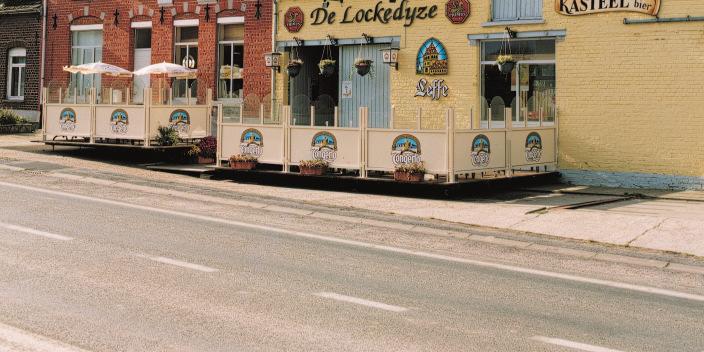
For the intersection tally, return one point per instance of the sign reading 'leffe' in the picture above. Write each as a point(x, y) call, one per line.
point(585, 7)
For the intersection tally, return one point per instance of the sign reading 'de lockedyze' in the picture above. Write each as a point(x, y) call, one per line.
point(402, 12)
point(585, 7)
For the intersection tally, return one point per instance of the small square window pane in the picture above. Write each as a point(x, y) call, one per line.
point(143, 38)
point(187, 34)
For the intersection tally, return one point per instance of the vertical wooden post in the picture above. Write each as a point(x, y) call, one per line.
point(363, 147)
point(488, 118)
point(147, 101)
point(92, 97)
point(261, 113)
point(312, 115)
point(218, 156)
point(336, 117)
point(392, 115)
point(450, 130)
point(286, 133)
point(45, 100)
point(209, 112)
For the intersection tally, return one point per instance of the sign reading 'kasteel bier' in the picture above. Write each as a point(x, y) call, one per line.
point(586, 7)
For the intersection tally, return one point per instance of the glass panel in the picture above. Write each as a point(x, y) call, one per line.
point(498, 93)
point(19, 59)
point(230, 75)
point(142, 38)
point(520, 49)
point(537, 93)
point(14, 81)
point(21, 80)
point(186, 34)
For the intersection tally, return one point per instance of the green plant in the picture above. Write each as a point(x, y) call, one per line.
point(167, 136)
point(207, 147)
point(193, 151)
point(502, 59)
point(9, 117)
point(411, 168)
point(294, 62)
point(313, 164)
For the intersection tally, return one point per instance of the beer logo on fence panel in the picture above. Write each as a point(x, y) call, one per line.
point(119, 121)
point(457, 11)
point(534, 147)
point(293, 19)
point(481, 151)
point(324, 147)
point(180, 121)
point(67, 120)
point(252, 142)
point(406, 150)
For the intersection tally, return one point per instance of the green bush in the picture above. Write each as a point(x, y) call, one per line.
point(8, 117)
point(167, 136)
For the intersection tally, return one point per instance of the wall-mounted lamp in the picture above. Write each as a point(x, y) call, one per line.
point(273, 60)
point(390, 56)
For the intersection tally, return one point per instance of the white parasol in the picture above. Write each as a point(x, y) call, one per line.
point(172, 70)
point(98, 68)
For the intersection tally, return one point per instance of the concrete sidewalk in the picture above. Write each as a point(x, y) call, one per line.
point(654, 219)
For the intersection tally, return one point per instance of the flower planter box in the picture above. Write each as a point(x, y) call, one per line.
point(243, 165)
point(313, 171)
point(408, 176)
point(19, 128)
point(204, 160)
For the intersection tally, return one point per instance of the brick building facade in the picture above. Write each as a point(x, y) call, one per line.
point(20, 61)
point(118, 22)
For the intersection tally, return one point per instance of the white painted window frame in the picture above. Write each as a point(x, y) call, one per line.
point(16, 52)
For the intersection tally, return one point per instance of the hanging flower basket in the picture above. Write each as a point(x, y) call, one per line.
point(294, 67)
point(243, 162)
point(363, 66)
point(313, 167)
point(327, 67)
point(506, 63)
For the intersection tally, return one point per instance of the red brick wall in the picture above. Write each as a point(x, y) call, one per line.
point(118, 39)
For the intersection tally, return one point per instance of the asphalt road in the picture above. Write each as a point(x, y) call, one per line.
point(78, 273)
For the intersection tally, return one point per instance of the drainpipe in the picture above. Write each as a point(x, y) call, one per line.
point(273, 48)
point(42, 60)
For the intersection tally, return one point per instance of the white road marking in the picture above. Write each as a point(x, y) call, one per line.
point(28, 230)
point(572, 344)
point(182, 264)
point(360, 301)
point(16, 340)
point(504, 267)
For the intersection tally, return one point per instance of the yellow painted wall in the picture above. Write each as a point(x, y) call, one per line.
point(630, 97)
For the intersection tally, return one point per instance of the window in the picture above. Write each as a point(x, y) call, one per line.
point(142, 58)
point(16, 61)
point(230, 61)
point(516, 10)
point(86, 47)
point(186, 54)
point(143, 38)
point(526, 95)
